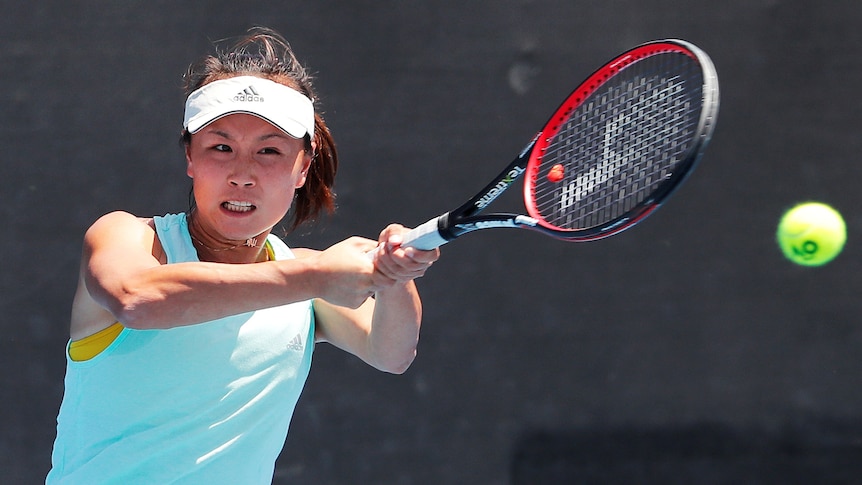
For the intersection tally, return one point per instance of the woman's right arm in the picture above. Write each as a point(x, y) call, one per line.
point(121, 274)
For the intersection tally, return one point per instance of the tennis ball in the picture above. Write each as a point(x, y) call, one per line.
point(811, 234)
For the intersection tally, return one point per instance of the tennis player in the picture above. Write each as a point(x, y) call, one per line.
point(192, 333)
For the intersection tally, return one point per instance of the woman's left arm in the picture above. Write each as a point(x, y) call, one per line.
point(384, 331)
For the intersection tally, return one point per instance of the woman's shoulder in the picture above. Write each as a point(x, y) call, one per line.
point(125, 229)
point(119, 221)
point(122, 217)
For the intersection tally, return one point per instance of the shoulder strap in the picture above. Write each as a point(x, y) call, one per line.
point(173, 232)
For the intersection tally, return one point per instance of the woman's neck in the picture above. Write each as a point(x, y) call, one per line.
point(216, 250)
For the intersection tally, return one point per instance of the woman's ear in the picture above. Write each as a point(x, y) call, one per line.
point(303, 173)
point(188, 160)
point(307, 159)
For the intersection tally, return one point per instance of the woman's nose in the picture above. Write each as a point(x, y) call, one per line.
point(243, 175)
point(241, 182)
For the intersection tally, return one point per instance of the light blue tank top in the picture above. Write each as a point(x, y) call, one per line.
point(208, 403)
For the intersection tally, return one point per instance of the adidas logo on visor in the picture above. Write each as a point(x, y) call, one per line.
point(248, 94)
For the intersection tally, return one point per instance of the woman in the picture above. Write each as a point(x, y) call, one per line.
point(191, 334)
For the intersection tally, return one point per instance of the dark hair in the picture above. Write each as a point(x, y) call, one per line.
point(263, 52)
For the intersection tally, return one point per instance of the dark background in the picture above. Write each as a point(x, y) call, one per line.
point(686, 350)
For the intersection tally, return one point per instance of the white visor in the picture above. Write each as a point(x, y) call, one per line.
point(276, 103)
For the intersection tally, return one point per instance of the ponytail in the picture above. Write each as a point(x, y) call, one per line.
point(317, 194)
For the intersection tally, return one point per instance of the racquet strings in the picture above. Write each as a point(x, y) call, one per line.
point(621, 143)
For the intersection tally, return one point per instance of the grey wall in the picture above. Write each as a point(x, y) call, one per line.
point(538, 359)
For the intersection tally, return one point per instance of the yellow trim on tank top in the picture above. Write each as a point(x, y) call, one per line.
point(270, 253)
point(92, 345)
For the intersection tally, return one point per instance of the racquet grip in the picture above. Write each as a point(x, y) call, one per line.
point(424, 237)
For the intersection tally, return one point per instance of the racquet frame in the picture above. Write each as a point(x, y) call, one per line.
point(469, 217)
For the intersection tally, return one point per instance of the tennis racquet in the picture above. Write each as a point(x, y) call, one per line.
point(610, 155)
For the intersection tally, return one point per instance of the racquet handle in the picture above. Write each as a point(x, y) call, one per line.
point(424, 237)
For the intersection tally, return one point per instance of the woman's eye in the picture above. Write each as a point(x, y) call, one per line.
point(221, 148)
point(270, 151)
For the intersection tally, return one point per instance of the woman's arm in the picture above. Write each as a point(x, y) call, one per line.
point(384, 331)
point(121, 273)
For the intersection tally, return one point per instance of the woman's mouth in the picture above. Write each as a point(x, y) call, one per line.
point(238, 206)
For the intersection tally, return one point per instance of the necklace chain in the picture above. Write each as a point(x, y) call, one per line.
point(250, 242)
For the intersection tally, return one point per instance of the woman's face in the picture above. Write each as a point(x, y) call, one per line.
point(245, 173)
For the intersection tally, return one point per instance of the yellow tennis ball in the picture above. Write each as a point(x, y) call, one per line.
point(811, 234)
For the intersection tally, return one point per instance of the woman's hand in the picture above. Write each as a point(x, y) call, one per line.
point(346, 275)
point(395, 264)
